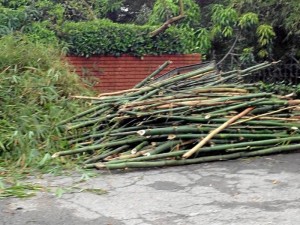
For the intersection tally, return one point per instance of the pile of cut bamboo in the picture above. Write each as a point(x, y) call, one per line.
point(199, 116)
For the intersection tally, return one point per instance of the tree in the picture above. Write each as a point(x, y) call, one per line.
point(245, 27)
point(230, 34)
point(285, 19)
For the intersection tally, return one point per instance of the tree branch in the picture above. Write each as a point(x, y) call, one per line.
point(181, 7)
point(169, 22)
point(230, 50)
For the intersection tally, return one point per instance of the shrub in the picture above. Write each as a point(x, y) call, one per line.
point(35, 86)
point(103, 37)
point(12, 20)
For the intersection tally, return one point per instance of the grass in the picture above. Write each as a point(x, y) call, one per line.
point(35, 90)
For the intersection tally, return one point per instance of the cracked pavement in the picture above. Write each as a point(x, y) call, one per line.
point(252, 191)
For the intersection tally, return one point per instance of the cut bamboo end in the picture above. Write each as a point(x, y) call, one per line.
point(141, 132)
point(55, 155)
point(100, 165)
point(207, 116)
point(133, 151)
point(171, 137)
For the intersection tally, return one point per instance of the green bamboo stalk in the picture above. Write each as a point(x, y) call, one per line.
point(171, 80)
point(148, 95)
point(253, 122)
point(179, 162)
point(247, 148)
point(139, 114)
point(99, 146)
point(273, 102)
point(162, 163)
point(240, 73)
point(100, 134)
point(238, 106)
point(140, 159)
point(89, 122)
point(255, 67)
point(91, 110)
point(165, 146)
point(157, 71)
point(265, 108)
point(209, 108)
point(243, 97)
point(272, 150)
point(100, 112)
point(232, 147)
point(102, 156)
point(139, 147)
point(251, 144)
point(194, 129)
point(229, 136)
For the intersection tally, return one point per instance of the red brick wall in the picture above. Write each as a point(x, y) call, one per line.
point(120, 73)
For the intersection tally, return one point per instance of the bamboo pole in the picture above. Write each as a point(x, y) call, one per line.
point(106, 154)
point(265, 114)
point(157, 71)
point(99, 146)
point(230, 147)
point(216, 131)
point(205, 159)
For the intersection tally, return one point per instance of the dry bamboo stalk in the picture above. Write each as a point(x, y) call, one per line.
point(193, 103)
point(294, 102)
point(146, 102)
point(262, 115)
point(130, 156)
point(295, 117)
point(216, 90)
point(158, 101)
point(85, 97)
point(216, 131)
point(202, 74)
point(199, 76)
point(118, 92)
point(272, 118)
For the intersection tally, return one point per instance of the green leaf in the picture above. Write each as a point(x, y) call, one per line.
point(45, 159)
point(248, 19)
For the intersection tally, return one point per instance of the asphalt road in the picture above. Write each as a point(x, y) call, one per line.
point(260, 191)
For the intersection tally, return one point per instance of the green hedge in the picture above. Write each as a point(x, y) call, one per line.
point(103, 37)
